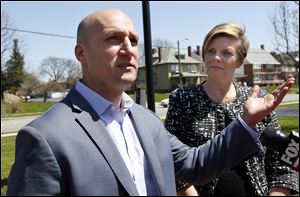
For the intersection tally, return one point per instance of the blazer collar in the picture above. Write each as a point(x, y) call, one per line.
point(90, 122)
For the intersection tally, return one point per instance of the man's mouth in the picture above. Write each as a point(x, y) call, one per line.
point(126, 65)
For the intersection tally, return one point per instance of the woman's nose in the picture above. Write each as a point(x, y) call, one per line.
point(216, 57)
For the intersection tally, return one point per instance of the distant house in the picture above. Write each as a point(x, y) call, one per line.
point(288, 66)
point(260, 68)
point(166, 70)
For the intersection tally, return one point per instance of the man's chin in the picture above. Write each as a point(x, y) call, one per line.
point(128, 79)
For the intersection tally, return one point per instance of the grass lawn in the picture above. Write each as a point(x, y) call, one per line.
point(29, 108)
point(289, 123)
point(7, 159)
point(8, 149)
point(294, 105)
point(294, 88)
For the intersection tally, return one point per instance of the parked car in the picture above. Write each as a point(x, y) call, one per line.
point(164, 102)
point(23, 97)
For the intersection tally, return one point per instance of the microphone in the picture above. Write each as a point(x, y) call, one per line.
point(287, 146)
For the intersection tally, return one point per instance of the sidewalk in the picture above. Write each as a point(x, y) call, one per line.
point(291, 98)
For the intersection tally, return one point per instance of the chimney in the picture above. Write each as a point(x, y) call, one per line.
point(159, 54)
point(262, 46)
point(189, 51)
point(198, 49)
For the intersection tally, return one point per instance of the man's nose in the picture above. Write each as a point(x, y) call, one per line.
point(126, 48)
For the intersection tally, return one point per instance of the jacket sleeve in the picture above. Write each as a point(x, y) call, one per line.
point(200, 165)
point(35, 171)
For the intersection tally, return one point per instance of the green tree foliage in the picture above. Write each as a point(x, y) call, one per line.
point(14, 70)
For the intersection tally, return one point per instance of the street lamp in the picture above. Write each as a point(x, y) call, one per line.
point(179, 65)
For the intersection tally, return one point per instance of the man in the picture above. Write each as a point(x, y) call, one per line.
point(96, 141)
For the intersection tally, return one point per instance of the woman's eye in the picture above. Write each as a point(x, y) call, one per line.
point(210, 51)
point(228, 53)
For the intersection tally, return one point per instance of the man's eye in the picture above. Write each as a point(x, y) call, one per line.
point(113, 38)
point(133, 41)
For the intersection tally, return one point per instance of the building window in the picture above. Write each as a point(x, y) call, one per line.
point(192, 68)
point(269, 66)
point(256, 66)
point(257, 77)
point(202, 69)
point(174, 68)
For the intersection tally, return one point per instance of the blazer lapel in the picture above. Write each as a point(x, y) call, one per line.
point(149, 148)
point(94, 127)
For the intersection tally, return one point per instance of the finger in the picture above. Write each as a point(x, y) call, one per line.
point(255, 91)
point(285, 86)
point(279, 97)
point(270, 101)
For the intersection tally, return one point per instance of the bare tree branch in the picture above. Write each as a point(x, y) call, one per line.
point(285, 23)
point(53, 67)
point(6, 35)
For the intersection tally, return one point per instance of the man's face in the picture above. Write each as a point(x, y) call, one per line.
point(111, 54)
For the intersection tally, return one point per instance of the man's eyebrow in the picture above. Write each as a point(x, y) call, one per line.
point(110, 32)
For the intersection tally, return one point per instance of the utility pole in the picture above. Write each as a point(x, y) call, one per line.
point(148, 55)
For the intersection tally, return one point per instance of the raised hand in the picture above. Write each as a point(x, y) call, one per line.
point(255, 109)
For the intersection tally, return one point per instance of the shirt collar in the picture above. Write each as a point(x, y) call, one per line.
point(98, 102)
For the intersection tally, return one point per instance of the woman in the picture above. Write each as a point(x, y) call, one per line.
point(197, 114)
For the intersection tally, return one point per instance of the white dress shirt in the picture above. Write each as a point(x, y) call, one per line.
point(123, 134)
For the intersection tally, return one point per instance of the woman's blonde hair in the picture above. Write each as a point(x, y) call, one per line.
point(232, 30)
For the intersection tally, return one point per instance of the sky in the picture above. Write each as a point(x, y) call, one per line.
point(173, 21)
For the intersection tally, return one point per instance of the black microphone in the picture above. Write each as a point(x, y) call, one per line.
point(287, 146)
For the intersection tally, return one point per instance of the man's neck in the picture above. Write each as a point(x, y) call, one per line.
point(111, 94)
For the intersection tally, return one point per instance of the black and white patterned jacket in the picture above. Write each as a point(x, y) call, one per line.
point(194, 118)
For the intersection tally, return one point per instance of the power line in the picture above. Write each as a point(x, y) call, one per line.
point(34, 32)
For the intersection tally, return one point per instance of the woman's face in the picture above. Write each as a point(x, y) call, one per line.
point(221, 58)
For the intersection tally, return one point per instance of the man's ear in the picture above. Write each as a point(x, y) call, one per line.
point(79, 53)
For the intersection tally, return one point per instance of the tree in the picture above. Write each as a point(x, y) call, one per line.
point(72, 73)
point(6, 40)
point(31, 83)
point(62, 73)
point(6, 35)
point(54, 67)
point(60, 69)
point(14, 71)
point(164, 43)
point(285, 24)
point(156, 42)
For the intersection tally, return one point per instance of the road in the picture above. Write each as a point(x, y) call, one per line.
point(14, 124)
